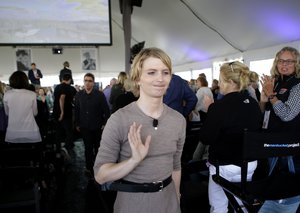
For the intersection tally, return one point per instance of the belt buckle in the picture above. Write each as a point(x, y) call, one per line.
point(161, 184)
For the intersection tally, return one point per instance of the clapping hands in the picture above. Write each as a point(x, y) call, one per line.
point(267, 83)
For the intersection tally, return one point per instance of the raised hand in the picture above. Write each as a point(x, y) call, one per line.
point(138, 148)
point(267, 83)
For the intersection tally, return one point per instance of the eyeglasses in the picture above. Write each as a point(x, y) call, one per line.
point(88, 80)
point(287, 62)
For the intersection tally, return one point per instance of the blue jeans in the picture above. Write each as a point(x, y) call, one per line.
point(288, 205)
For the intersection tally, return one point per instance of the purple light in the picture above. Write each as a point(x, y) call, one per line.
point(196, 55)
point(281, 23)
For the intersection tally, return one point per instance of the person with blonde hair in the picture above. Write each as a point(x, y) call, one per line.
point(116, 90)
point(141, 146)
point(130, 95)
point(253, 85)
point(224, 127)
point(281, 91)
point(280, 96)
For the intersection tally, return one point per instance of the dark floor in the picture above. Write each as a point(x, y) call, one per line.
point(73, 184)
point(75, 191)
point(70, 189)
point(80, 194)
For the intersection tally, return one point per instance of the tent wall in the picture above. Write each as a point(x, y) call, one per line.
point(111, 59)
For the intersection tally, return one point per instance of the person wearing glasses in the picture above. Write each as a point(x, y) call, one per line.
point(224, 127)
point(91, 114)
point(142, 143)
point(280, 95)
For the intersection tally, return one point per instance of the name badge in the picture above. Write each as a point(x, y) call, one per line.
point(266, 120)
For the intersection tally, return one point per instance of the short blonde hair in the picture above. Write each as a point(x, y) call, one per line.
point(237, 72)
point(138, 61)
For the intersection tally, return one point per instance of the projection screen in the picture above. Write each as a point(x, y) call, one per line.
point(54, 22)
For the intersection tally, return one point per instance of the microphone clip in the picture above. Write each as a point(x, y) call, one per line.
point(155, 123)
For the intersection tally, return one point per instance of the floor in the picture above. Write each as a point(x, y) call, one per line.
point(73, 184)
point(70, 189)
point(78, 192)
point(74, 190)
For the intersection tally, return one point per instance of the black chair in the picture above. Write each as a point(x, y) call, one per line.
point(191, 140)
point(194, 187)
point(19, 189)
point(279, 185)
point(21, 154)
point(20, 175)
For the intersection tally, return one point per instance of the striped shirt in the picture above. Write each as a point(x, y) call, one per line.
point(288, 110)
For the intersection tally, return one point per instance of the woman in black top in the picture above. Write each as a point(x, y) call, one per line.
point(129, 96)
point(224, 127)
point(117, 90)
point(281, 91)
point(280, 96)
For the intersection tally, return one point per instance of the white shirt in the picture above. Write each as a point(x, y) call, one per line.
point(202, 91)
point(35, 73)
point(20, 105)
point(251, 91)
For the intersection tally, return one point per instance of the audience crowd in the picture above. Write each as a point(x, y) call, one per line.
point(234, 102)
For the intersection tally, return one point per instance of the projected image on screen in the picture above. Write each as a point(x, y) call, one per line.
point(55, 22)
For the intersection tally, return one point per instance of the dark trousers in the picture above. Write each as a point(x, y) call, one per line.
point(91, 139)
point(64, 132)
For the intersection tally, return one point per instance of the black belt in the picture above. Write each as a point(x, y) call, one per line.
point(127, 186)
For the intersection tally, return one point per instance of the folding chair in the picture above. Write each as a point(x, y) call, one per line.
point(280, 185)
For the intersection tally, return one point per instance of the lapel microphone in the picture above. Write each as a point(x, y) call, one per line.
point(155, 123)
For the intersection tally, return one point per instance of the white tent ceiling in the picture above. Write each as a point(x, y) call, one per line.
point(194, 33)
point(199, 30)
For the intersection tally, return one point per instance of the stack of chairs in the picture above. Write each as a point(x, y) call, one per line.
point(281, 184)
